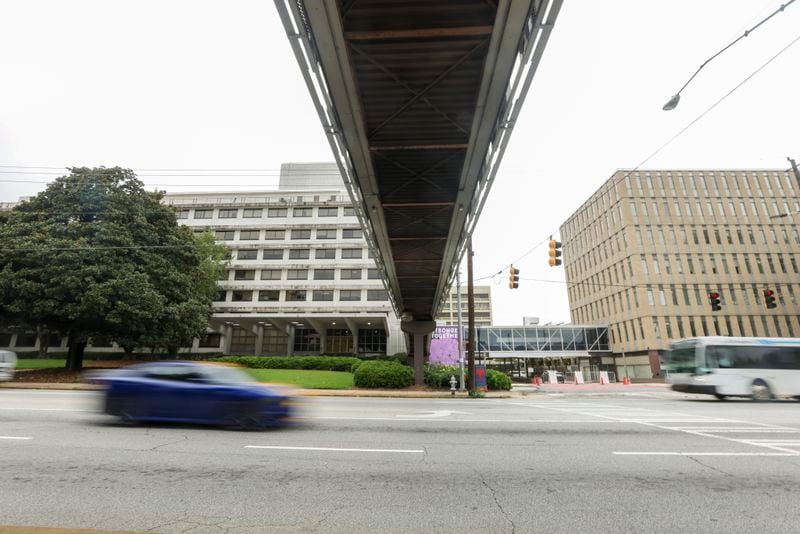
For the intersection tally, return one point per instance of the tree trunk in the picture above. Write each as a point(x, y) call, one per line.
point(128, 351)
point(172, 350)
point(44, 341)
point(75, 354)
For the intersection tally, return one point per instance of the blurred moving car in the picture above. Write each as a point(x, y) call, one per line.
point(8, 362)
point(191, 392)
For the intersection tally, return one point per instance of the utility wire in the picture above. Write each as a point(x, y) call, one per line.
point(678, 134)
point(96, 247)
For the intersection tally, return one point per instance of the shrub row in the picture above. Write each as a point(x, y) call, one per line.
point(438, 376)
point(497, 380)
point(398, 357)
point(383, 374)
point(317, 363)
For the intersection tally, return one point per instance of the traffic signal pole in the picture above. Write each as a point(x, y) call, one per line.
point(470, 321)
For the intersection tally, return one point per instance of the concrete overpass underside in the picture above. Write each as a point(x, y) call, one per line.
point(418, 99)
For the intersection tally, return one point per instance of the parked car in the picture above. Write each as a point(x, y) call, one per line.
point(8, 363)
point(191, 392)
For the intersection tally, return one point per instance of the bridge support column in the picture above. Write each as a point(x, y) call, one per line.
point(420, 332)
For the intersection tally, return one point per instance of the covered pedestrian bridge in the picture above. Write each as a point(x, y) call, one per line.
point(418, 99)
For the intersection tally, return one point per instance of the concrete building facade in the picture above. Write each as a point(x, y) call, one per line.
point(300, 279)
point(448, 314)
point(645, 251)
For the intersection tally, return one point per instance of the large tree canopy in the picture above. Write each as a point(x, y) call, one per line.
point(97, 255)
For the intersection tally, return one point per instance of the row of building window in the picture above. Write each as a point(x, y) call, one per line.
point(301, 274)
point(300, 295)
point(280, 235)
point(674, 209)
point(721, 184)
point(668, 328)
point(601, 214)
point(299, 254)
point(684, 264)
point(339, 341)
point(650, 236)
point(258, 213)
point(627, 300)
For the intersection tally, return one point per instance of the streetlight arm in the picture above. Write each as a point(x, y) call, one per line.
point(673, 102)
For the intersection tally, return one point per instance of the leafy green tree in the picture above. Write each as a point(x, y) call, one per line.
point(96, 254)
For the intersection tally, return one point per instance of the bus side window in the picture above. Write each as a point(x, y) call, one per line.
point(712, 357)
point(783, 358)
point(725, 357)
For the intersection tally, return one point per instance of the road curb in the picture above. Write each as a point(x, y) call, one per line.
point(303, 392)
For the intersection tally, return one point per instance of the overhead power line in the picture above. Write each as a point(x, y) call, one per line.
point(673, 138)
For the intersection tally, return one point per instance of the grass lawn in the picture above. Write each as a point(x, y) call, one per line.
point(305, 379)
point(39, 363)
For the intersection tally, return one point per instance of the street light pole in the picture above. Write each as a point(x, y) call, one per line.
point(795, 170)
point(470, 321)
point(461, 385)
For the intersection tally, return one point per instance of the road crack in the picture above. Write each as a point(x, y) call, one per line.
point(500, 506)
point(698, 462)
point(183, 438)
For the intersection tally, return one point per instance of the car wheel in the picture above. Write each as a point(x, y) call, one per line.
point(240, 418)
point(760, 391)
point(129, 413)
point(721, 397)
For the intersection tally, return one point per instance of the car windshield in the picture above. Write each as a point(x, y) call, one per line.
point(226, 375)
point(682, 360)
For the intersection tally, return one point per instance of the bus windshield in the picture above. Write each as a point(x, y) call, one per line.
point(682, 360)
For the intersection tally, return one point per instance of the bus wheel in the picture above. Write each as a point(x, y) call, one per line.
point(760, 391)
point(720, 396)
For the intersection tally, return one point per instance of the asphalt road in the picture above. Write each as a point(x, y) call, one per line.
point(655, 462)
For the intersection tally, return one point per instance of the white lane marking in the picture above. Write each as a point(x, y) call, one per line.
point(739, 430)
point(337, 449)
point(435, 413)
point(651, 423)
point(14, 437)
point(638, 453)
point(428, 420)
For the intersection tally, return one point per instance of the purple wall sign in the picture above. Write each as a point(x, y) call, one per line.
point(444, 346)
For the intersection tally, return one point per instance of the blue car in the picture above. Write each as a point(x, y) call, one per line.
point(190, 392)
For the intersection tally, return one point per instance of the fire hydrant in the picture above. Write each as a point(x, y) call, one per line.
point(453, 383)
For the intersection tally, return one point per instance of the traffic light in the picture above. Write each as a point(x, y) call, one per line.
point(769, 299)
point(513, 278)
point(716, 305)
point(555, 253)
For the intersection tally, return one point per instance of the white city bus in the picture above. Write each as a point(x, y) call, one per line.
point(755, 367)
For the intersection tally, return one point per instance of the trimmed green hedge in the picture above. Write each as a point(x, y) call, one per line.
point(438, 376)
point(378, 374)
point(400, 357)
point(317, 363)
point(497, 380)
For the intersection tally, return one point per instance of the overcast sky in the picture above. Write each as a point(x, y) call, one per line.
point(192, 84)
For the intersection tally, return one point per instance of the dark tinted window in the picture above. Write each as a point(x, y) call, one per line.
point(753, 357)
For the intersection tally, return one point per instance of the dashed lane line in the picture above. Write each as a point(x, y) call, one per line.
point(334, 449)
point(644, 453)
